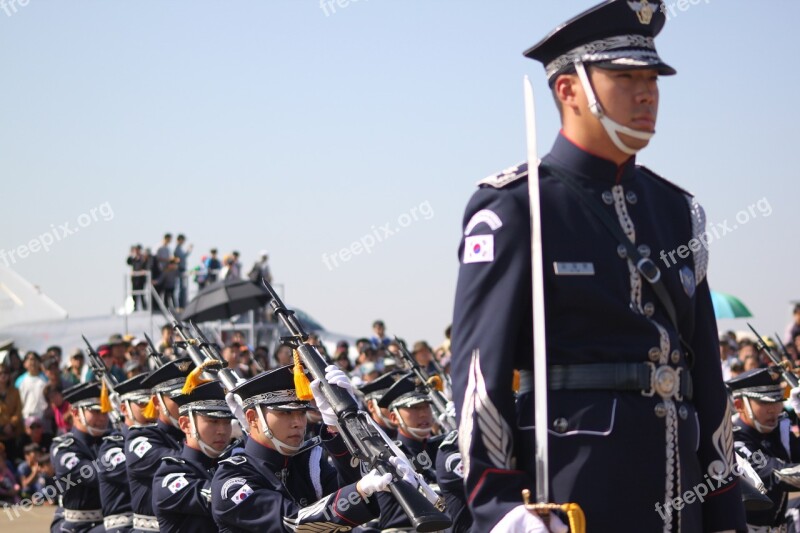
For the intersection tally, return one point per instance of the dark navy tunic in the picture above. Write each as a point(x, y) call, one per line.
point(76, 465)
point(144, 448)
point(115, 494)
point(450, 476)
point(182, 492)
point(777, 450)
point(262, 490)
point(642, 449)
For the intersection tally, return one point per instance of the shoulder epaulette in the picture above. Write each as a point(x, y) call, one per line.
point(114, 438)
point(450, 438)
point(171, 459)
point(507, 176)
point(235, 459)
point(664, 181)
point(437, 440)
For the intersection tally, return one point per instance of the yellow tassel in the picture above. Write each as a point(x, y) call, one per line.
point(150, 411)
point(105, 403)
point(515, 382)
point(577, 520)
point(435, 382)
point(193, 380)
point(301, 383)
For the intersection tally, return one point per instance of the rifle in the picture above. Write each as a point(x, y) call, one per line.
point(438, 401)
point(784, 351)
point(102, 375)
point(363, 438)
point(153, 354)
point(786, 374)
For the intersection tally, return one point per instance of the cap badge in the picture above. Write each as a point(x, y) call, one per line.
point(644, 10)
point(183, 366)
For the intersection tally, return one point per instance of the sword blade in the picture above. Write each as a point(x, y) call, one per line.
point(537, 297)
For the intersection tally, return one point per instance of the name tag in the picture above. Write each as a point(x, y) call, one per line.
point(573, 269)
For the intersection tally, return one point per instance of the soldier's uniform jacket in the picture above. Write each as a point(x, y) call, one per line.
point(144, 448)
point(422, 456)
point(182, 492)
point(76, 467)
point(450, 476)
point(780, 450)
point(262, 490)
point(642, 448)
point(115, 494)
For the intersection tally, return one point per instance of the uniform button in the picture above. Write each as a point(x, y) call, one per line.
point(631, 197)
point(644, 250)
point(660, 410)
point(608, 197)
point(649, 309)
point(560, 425)
point(675, 356)
point(654, 354)
point(622, 251)
point(683, 412)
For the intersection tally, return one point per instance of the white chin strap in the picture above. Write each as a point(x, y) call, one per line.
point(613, 129)
point(417, 433)
point(282, 447)
point(385, 421)
point(207, 449)
point(94, 432)
point(163, 405)
point(759, 426)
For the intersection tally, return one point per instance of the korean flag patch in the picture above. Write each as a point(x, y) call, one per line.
point(140, 445)
point(69, 460)
point(175, 482)
point(241, 495)
point(479, 249)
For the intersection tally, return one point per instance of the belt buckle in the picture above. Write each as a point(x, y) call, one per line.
point(664, 380)
point(649, 270)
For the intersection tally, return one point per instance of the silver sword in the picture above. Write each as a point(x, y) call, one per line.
point(537, 297)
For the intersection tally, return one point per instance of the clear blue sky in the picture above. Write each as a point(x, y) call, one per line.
point(271, 124)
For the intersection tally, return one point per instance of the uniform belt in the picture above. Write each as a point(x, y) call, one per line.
point(647, 378)
point(83, 516)
point(118, 520)
point(145, 522)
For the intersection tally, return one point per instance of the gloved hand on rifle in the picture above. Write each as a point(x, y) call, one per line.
point(334, 376)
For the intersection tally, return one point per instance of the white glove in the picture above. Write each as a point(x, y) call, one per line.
point(520, 520)
point(794, 399)
point(234, 402)
point(325, 409)
point(450, 409)
point(335, 376)
point(374, 482)
point(405, 471)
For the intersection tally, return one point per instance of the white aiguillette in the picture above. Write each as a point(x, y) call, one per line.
point(573, 269)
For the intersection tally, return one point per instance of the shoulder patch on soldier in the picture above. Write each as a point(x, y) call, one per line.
point(503, 178)
point(662, 180)
point(454, 464)
point(243, 492)
point(478, 249)
point(139, 446)
point(69, 460)
point(114, 438)
point(235, 460)
point(484, 216)
point(171, 459)
point(450, 438)
point(114, 456)
point(174, 482)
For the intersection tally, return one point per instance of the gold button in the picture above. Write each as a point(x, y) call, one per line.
point(675, 356)
point(661, 410)
point(654, 354)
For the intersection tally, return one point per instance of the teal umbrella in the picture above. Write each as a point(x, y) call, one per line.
point(727, 306)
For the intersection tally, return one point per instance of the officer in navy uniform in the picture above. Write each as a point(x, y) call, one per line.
point(450, 476)
point(278, 484)
point(115, 494)
point(76, 460)
point(623, 251)
point(409, 408)
point(764, 437)
point(372, 392)
point(146, 445)
point(182, 485)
